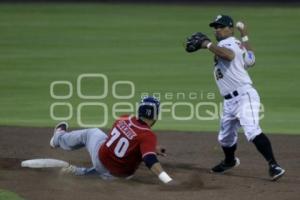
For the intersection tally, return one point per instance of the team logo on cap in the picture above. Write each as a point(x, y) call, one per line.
point(218, 17)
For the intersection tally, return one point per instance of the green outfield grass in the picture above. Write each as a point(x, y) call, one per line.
point(42, 43)
point(6, 195)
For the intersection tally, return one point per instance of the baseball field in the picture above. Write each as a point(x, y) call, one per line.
point(86, 63)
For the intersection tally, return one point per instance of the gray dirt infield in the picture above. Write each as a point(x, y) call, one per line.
point(190, 156)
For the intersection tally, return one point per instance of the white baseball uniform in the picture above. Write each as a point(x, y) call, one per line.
point(242, 102)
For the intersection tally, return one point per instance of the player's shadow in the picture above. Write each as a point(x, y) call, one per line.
point(244, 176)
point(203, 170)
point(184, 166)
point(188, 176)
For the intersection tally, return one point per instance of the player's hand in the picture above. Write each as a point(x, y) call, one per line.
point(161, 151)
point(195, 42)
point(242, 28)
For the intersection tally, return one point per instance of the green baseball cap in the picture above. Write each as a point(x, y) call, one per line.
point(224, 20)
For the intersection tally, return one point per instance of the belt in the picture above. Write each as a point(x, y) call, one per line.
point(229, 96)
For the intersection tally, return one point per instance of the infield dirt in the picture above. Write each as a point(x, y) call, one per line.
point(190, 156)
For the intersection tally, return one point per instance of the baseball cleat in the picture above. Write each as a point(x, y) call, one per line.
point(61, 127)
point(276, 172)
point(223, 166)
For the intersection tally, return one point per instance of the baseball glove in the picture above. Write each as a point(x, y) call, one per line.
point(194, 42)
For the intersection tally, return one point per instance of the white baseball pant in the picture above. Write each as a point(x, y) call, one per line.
point(240, 111)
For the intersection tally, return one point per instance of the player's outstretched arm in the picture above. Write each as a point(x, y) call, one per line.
point(201, 41)
point(153, 164)
point(222, 52)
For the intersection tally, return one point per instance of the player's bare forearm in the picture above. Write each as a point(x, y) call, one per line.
point(222, 52)
point(162, 175)
point(243, 29)
point(249, 56)
point(247, 46)
point(244, 33)
point(156, 168)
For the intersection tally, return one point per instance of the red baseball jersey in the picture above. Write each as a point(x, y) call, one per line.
point(129, 141)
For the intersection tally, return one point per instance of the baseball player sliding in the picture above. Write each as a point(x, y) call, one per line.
point(118, 155)
point(241, 101)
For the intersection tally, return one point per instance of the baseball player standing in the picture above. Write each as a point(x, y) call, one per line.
point(118, 155)
point(241, 100)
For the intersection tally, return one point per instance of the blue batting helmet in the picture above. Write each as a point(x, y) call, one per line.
point(149, 108)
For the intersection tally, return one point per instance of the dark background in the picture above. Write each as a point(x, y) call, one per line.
point(282, 2)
